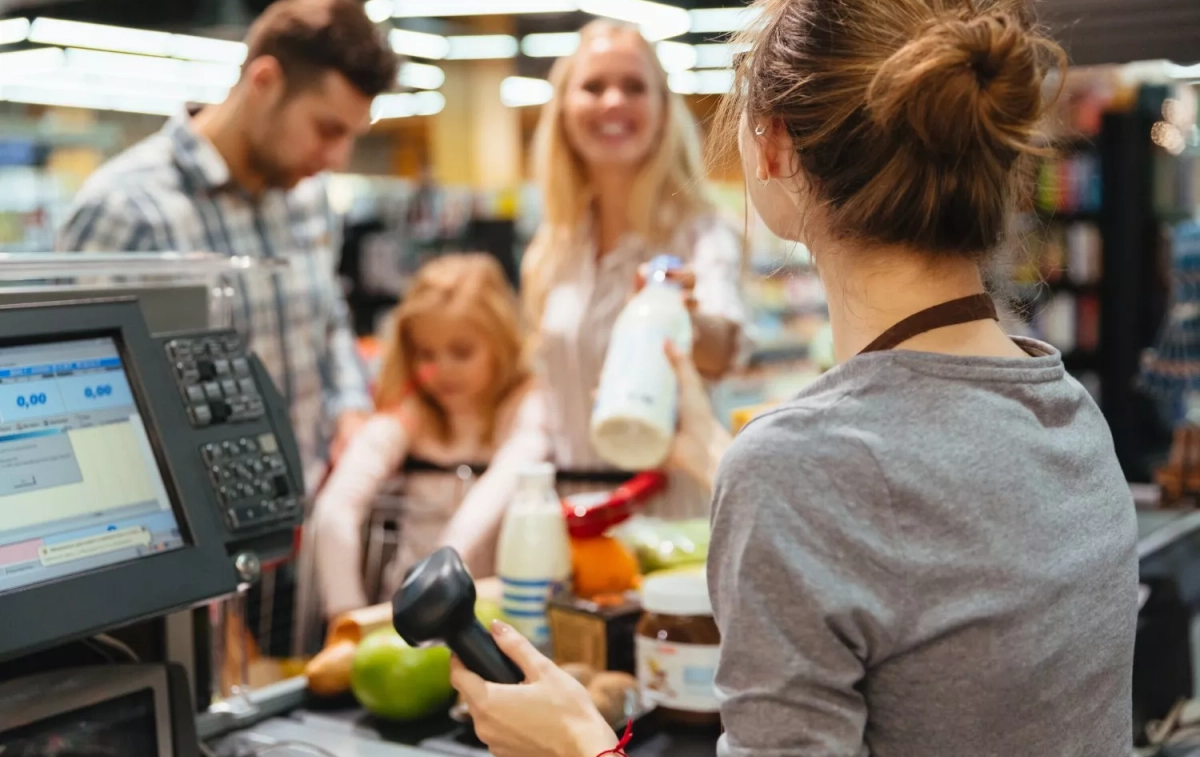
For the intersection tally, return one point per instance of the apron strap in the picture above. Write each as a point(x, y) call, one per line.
point(976, 307)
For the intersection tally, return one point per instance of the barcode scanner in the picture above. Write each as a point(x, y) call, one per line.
point(437, 603)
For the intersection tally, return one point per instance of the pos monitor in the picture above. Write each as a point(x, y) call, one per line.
point(105, 509)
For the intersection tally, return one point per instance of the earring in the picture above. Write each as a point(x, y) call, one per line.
point(765, 181)
point(760, 130)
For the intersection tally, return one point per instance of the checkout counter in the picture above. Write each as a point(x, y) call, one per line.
point(145, 478)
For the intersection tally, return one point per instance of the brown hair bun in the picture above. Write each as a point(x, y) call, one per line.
point(913, 121)
point(962, 84)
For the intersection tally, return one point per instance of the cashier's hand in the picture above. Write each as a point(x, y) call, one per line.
point(550, 715)
point(700, 440)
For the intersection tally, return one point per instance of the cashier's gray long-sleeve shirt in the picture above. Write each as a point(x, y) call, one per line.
point(926, 555)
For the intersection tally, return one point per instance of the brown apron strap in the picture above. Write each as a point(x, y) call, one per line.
point(976, 307)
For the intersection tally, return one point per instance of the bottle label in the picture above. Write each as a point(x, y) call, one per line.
point(677, 676)
point(524, 606)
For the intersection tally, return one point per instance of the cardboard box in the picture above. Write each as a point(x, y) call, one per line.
point(597, 634)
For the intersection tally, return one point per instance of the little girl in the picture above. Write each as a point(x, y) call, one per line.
point(451, 390)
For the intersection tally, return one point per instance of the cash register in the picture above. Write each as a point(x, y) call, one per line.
point(140, 475)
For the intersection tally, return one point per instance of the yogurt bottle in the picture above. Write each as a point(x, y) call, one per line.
point(533, 557)
point(633, 419)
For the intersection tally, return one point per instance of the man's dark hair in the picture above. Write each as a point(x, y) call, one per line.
point(311, 37)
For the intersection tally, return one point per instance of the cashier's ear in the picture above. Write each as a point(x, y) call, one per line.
point(519, 649)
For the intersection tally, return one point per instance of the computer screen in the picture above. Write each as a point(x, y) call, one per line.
point(80, 487)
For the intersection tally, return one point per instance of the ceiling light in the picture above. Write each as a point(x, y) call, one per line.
point(182, 72)
point(419, 44)
point(407, 104)
point(428, 103)
point(88, 97)
point(711, 82)
point(189, 47)
point(421, 76)
point(378, 10)
point(676, 56)
point(23, 63)
point(520, 91)
point(554, 45)
point(52, 31)
point(719, 20)
point(482, 47)
point(14, 30)
point(656, 20)
point(717, 55)
point(422, 8)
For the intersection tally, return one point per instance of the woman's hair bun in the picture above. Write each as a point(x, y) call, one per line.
point(965, 83)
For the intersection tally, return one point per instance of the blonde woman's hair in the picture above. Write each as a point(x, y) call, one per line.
point(471, 286)
point(668, 189)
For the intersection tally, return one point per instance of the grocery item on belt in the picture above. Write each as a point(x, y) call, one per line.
point(662, 544)
point(534, 555)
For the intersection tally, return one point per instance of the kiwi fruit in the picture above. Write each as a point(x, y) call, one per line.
point(610, 691)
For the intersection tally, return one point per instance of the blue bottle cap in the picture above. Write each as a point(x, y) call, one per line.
point(665, 263)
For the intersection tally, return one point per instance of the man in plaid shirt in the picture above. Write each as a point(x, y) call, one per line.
point(240, 178)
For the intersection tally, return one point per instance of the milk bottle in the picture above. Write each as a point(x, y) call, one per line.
point(633, 419)
point(534, 554)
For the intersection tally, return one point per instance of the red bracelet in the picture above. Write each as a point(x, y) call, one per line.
point(619, 749)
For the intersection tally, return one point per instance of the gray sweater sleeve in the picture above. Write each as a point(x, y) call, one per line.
point(804, 578)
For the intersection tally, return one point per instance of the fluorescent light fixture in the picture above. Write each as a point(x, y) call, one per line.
point(52, 31)
point(710, 82)
point(39, 61)
point(656, 20)
point(77, 95)
point(482, 47)
point(407, 104)
point(421, 8)
point(676, 56)
point(14, 30)
point(226, 51)
point(553, 45)
point(421, 76)
point(378, 10)
point(720, 20)
point(717, 55)
point(428, 103)
point(216, 76)
point(1183, 73)
point(419, 44)
point(520, 91)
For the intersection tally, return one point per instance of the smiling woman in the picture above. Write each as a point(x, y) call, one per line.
point(617, 158)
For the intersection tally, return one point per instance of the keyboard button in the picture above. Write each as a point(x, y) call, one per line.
point(201, 415)
point(220, 410)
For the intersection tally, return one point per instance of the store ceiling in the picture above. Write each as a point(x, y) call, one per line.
point(1095, 31)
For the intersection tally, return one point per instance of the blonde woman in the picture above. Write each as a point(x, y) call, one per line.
point(618, 161)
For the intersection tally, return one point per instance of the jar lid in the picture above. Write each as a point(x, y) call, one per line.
point(683, 592)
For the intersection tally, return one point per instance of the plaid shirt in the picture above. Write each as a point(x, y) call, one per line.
point(173, 192)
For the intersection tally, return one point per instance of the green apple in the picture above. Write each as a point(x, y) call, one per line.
point(395, 681)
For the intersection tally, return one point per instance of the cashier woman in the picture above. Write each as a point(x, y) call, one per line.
point(931, 551)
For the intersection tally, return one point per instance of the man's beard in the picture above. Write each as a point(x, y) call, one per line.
point(274, 174)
